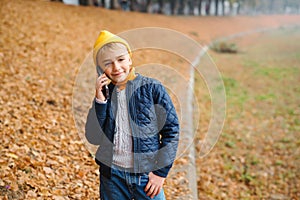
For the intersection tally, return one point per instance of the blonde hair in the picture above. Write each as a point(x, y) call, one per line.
point(111, 47)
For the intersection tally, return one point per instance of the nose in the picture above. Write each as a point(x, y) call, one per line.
point(116, 65)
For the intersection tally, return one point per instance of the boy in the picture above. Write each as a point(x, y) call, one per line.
point(137, 130)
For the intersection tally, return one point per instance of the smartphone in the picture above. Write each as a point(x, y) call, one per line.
point(105, 89)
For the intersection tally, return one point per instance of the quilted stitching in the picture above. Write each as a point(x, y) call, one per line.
point(151, 111)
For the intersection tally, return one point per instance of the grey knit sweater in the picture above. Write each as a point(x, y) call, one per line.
point(123, 155)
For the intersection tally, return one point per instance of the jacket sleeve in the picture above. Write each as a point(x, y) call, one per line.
point(95, 123)
point(100, 109)
point(168, 125)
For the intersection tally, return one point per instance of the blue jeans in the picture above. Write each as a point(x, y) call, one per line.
point(125, 186)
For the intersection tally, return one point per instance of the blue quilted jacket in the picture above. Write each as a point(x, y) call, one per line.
point(153, 122)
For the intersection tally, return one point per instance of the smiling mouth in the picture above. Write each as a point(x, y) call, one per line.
point(118, 74)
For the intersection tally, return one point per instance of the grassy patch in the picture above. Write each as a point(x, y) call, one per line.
point(194, 33)
point(251, 63)
point(276, 73)
point(235, 93)
point(266, 97)
point(230, 144)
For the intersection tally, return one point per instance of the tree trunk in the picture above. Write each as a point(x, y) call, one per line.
point(223, 7)
point(103, 3)
point(112, 4)
point(132, 5)
point(161, 6)
point(239, 7)
point(173, 4)
point(207, 7)
point(217, 7)
point(144, 7)
point(191, 7)
point(200, 6)
point(83, 2)
point(181, 7)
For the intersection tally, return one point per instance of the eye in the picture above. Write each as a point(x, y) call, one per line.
point(121, 59)
point(108, 64)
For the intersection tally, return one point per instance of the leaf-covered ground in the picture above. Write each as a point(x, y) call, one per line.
point(42, 45)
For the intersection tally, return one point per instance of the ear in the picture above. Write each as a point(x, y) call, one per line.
point(130, 61)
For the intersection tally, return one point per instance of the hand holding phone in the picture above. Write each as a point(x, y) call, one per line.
point(105, 91)
point(102, 91)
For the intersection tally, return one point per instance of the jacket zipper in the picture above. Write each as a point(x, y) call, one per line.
point(135, 144)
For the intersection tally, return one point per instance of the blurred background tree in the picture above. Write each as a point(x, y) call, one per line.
point(201, 7)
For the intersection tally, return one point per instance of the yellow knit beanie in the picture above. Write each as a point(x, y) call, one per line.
point(104, 38)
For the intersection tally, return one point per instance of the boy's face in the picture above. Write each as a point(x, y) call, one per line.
point(115, 63)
